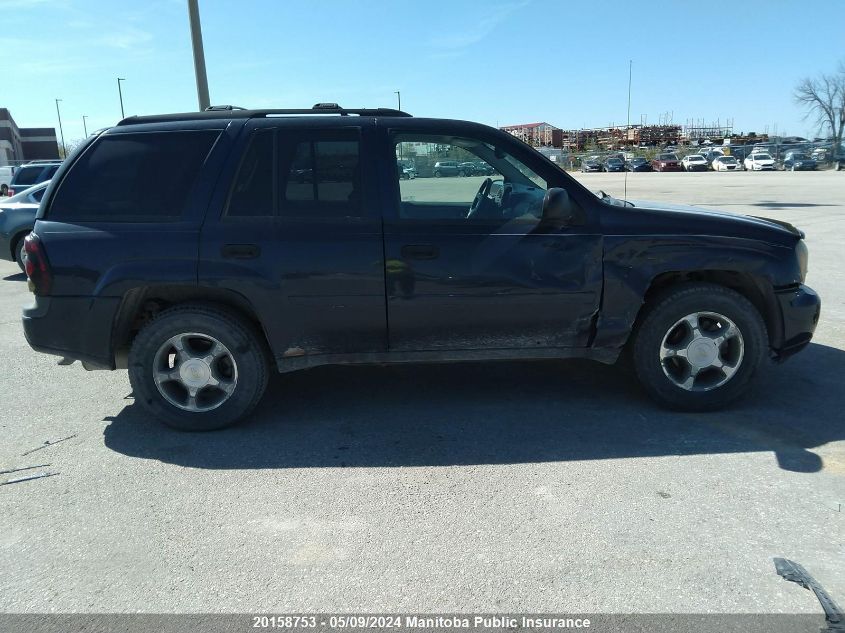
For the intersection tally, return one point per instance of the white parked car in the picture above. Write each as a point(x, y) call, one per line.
point(694, 162)
point(758, 161)
point(726, 163)
point(6, 173)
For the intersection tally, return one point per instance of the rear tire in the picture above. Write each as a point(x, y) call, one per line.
point(244, 370)
point(20, 253)
point(4, 189)
point(717, 311)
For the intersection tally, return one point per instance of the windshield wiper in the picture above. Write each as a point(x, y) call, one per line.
point(793, 572)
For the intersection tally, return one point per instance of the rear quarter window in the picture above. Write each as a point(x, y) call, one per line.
point(28, 175)
point(143, 177)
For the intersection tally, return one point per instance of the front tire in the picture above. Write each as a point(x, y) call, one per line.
point(698, 347)
point(4, 189)
point(198, 368)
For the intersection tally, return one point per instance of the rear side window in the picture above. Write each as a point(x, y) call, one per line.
point(28, 176)
point(321, 176)
point(133, 178)
point(252, 193)
point(302, 175)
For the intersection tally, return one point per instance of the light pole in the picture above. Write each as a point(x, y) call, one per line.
point(398, 98)
point(120, 94)
point(84, 126)
point(61, 132)
point(199, 55)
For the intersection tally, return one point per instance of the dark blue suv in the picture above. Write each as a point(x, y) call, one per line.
point(203, 250)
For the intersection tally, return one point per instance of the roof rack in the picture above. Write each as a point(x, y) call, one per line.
point(234, 112)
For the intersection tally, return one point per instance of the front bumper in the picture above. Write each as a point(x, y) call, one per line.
point(800, 307)
point(72, 327)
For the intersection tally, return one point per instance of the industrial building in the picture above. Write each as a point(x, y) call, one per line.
point(21, 144)
point(537, 134)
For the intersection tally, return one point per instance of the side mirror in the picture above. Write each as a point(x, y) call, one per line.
point(558, 208)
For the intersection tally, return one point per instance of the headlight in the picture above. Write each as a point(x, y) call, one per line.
point(803, 256)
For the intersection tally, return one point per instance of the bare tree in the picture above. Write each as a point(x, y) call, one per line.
point(824, 99)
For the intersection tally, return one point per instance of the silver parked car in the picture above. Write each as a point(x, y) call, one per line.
point(17, 217)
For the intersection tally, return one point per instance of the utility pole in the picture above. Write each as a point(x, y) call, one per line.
point(84, 126)
point(399, 98)
point(199, 55)
point(120, 94)
point(61, 131)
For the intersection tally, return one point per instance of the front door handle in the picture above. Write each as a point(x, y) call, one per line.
point(420, 251)
point(240, 251)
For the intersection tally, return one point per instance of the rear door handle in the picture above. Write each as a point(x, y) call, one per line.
point(420, 251)
point(240, 251)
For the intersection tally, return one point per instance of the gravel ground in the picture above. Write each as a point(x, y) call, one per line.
point(501, 487)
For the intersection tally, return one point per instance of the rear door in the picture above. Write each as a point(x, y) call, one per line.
point(492, 278)
point(294, 230)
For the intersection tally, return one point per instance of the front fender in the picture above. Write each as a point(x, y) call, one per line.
point(632, 263)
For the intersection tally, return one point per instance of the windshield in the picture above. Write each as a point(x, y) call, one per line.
point(697, 158)
point(727, 159)
point(668, 157)
point(638, 161)
point(762, 157)
point(614, 161)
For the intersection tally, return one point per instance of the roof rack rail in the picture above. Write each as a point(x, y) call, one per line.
point(234, 112)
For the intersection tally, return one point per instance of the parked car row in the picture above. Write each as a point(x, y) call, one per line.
point(706, 160)
point(446, 168)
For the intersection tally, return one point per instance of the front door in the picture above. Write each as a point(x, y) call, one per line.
point(469, 264)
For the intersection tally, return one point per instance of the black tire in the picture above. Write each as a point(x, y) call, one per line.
point(666, 310)
point(242, 340)
point(4, 189)
point(437, 174)
point(20, 253)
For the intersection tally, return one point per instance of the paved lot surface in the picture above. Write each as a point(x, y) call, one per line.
point(503, 487)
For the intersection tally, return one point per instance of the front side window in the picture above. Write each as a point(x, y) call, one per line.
point(142, 177)
point(485, 183)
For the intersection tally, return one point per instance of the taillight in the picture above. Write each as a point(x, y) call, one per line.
point(37, 266)
point(10, 192)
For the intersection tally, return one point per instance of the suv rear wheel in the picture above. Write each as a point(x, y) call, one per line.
point(698, 347)
point(198, 368)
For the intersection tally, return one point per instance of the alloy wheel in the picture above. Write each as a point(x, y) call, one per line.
point(702, 351)
point(195, 372)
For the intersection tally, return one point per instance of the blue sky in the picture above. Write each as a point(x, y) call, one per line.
point(496, 61)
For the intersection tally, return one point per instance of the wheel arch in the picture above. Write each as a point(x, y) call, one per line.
point(140, 305)
point(755, 288)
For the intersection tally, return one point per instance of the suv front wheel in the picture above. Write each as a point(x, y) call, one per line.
point(198, 368)
point(699, 346)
